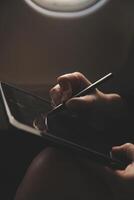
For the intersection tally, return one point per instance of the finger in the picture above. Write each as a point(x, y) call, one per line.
point(77, 81)
point(66, 90)
point(55, 95)
point(124, 152)
point(68, 84)
point(58, 95)
point(95, 101)
point(82, 104)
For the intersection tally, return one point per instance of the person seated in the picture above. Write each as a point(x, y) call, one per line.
point(56, 174)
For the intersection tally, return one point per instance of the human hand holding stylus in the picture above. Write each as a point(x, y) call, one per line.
point(102, 110)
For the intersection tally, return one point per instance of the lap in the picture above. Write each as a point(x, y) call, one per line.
point(58, 175)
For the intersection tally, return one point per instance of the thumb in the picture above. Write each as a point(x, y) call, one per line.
point(81, 104)
point(124, 152)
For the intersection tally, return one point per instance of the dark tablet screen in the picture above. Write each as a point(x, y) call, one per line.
point(25, 107)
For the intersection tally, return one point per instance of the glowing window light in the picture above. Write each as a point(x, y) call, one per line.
point(66, 8)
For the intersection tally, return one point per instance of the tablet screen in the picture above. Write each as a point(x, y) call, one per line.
point(25, 107)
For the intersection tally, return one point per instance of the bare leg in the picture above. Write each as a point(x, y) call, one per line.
point(58, 175)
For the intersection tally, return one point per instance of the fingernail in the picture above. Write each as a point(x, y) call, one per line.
point(55, 98)
point(66, 91)
point(53, 103)
point(111, 155)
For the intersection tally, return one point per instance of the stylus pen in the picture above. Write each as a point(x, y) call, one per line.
point(85, 91)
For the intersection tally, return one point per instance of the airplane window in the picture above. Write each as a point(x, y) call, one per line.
point(66, 8)
point(65, 5)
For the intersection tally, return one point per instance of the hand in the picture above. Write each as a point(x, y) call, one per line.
point(102, 110)
point(125, 153)
point(121, 182)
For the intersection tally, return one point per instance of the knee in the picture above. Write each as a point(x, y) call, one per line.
point(57, 174)
point(52, 174)
point(38, 177)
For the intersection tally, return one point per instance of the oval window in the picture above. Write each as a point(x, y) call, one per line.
point(65, 5)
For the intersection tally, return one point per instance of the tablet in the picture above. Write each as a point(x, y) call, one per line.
point(29, 114)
